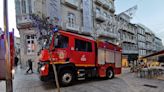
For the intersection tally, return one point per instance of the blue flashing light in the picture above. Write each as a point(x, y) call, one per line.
point(55, 29)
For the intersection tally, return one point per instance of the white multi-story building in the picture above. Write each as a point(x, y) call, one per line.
point(128, 39)
point(153, 43)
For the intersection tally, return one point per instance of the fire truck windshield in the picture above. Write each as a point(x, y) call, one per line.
point(47, 42)
point(61, 41)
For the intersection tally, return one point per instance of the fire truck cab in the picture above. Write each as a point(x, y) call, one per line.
point(78, 57)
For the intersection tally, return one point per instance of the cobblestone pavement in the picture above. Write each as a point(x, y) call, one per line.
point(127, 82)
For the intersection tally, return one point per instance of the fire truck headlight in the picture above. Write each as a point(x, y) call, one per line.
point(13, 71)
point(61, 55)
point(43, 68)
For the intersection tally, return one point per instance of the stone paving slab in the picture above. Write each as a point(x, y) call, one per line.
point(161, 78)
point(127, 82)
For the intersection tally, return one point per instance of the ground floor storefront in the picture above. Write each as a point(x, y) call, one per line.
point(129, 59)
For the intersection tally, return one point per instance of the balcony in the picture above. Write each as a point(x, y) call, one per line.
point(102, 32)
point(106, 5)
point(24, 20)
point(112, 9)
point(129, 51)
point(142, 47)
point(125, 28)
point(72, 27)
point(149, 47)
point(148, 39)
point(100, 2)
point(72, 3)
point(100, 17)
point(129, 40)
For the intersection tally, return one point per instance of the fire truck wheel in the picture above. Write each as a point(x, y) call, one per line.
point(109, 74)
point(44, 78)
point(66, 78)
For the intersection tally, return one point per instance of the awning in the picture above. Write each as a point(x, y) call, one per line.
point(154, 54)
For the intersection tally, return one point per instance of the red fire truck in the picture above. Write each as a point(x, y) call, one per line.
point(78, 57)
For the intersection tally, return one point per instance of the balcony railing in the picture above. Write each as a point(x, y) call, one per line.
point(102, 32)
point(100, 2)
point(112, 9)
point(142, 47)
point(72, 27)
point(129, 40)
point(149, 47)
point(24, 18)
point(100, 17)
point(106, 5)
point(128, 29)
point(149, 40)
point(129, 51)
point(72, 3)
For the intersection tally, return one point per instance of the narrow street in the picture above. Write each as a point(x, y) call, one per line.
point(127, 82)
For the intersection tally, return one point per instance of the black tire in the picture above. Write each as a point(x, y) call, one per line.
point(66, 78)
point(44, 78)
point(109, 73)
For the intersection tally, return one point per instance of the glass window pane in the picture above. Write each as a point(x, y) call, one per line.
point(62, 42)
point(28, 42)
point(28, 37)
point(81, 45)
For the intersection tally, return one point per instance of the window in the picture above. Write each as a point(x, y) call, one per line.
point(105, 14)
point(62, 42)
point(97, 10)
point(23, 6)
point(81, 45)
point(30, 42)
point(110, 4)
point(71, 19)
point(18, 12)
point(29, 6)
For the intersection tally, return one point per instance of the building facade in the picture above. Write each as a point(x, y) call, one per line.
point(152, 42)
point(128, 39)
point(88, 17)
point(94, 18)
point(141, 39)
point(158, 44)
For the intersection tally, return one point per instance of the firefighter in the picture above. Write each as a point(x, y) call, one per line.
point(30, 66)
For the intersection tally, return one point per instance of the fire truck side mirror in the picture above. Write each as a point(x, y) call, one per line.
point(56, 42)
point(53, 49)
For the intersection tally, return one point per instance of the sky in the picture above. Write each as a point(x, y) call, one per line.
point(149, 12)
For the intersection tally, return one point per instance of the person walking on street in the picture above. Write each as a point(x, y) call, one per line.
point(30, 66)
point(16, 61)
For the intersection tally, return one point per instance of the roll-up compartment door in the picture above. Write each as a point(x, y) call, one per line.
point(109, 56)
point(117, 59)
point(101, 56)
